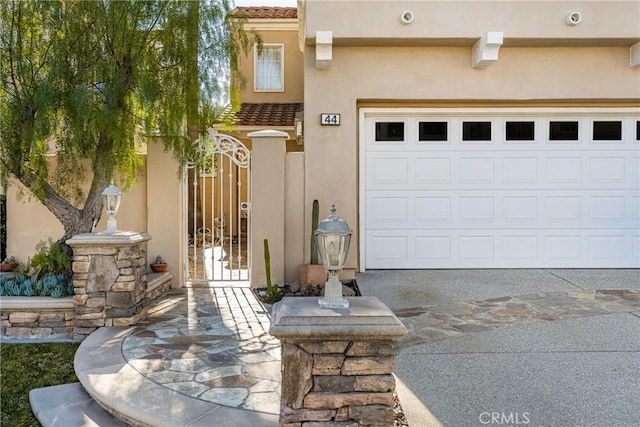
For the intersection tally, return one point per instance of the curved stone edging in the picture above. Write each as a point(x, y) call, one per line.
point(128, 395)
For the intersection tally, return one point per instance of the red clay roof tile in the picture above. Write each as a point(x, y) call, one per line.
point(267, 114)
point(265, 12)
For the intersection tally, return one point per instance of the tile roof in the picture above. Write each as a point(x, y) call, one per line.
point(266, 12)
point(267, 114)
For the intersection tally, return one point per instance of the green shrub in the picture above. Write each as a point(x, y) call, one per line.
point(51, 258)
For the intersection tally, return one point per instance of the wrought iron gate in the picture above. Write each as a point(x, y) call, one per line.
point(218, 211)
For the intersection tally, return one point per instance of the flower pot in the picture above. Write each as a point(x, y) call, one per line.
point(7, 267)
point(312, 275)
point(158, 268)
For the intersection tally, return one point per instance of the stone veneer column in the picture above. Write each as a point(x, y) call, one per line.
point(337, 364)
point(109, 279)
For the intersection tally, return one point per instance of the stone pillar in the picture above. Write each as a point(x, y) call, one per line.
point(337, 364)
point(109, 280)
point(268, 151)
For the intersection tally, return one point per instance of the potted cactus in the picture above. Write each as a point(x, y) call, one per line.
point(158, 265)
point(313, 274)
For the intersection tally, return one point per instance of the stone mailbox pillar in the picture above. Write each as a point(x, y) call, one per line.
point(337, 364)
point(109, 279)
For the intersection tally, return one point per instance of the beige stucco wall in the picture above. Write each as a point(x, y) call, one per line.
point(268, 177)
point(295, 212)
point(293, 70)
point(463, 22)
point(420, 76)
point(164, 210)
point(29, 221)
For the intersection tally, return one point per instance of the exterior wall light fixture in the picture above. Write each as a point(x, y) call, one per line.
point(111, 197)
point(333, 236)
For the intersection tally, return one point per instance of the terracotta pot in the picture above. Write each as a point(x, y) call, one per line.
point(312, 275)
point(158, 268)
point(7, 267)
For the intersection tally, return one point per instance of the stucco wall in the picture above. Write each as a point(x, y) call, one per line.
point(29, 222)
point(164, 210)
point(293, 72)
point(420, 76)
point(448, 21)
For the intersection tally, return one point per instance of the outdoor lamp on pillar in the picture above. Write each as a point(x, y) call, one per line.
point(111, 197)
point(333, 236)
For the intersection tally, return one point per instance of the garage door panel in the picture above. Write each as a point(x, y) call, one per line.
point(387, 251)
point(607, 170)
point(526, 170)
point(635, 179)
point(522, 210)
point(606, 247)
point(520, 248)
point(503, 203)
point(520, 170)
point(476, 248)
point(510, 209)
point(566, 170)
point(476, 210)
point(515, 249)
point(392, 171)
point(388, 212)
point(433, 170)
point(432, 210)
point(430, 249)
point(477, 170)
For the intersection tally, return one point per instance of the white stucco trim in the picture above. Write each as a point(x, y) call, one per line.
point(485, 51)
point(324, 49)
point(634, 56)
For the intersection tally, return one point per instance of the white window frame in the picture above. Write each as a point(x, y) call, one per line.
point(255, 68)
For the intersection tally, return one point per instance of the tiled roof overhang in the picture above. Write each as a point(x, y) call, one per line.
point(267, 114)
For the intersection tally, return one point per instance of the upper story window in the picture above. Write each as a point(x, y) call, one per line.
point(269, 68)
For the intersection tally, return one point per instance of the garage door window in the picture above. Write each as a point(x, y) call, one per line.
point(607, 131)
point(476, 131)
point(520, 131)
point(432, 131)
point(563, 131)
point(389, 131)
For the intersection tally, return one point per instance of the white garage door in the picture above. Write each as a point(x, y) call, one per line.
point(500, 188)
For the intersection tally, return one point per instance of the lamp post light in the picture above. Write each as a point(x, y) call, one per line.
point(111, 197)
point(333, 236)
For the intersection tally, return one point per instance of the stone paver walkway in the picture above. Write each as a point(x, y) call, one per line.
point(442, 321)
point(211, 344)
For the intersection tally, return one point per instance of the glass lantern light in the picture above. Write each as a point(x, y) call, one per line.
point(111, 197)
point(333, 236)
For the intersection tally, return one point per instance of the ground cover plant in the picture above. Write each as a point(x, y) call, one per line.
point(24, 367)
point(57, 286)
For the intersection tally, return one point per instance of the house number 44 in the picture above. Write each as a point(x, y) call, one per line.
point(330, 119)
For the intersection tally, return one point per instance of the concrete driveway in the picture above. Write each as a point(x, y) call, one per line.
point(516, 347)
